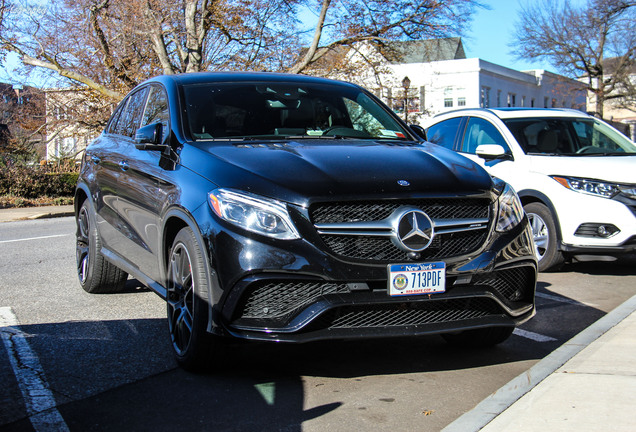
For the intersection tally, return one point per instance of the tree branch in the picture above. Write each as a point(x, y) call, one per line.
point(27, 59)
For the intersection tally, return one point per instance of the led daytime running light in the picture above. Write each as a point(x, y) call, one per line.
point(589, 186)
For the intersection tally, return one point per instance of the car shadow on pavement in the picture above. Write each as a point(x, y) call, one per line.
point(610, 266)
point(133, 286)
point(120, 375)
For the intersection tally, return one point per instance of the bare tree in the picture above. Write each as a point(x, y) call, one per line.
point(594, 41)
point(107, 47)
point(345, 23)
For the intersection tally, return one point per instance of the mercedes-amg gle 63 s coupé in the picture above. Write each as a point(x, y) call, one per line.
point(293, 209)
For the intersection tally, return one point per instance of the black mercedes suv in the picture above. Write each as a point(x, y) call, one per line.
point(289, 208)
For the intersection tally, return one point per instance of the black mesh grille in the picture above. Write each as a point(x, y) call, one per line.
point(513, 284)
point(375, 211)
point(280, 298)
point(381, 249)
point(402, 314)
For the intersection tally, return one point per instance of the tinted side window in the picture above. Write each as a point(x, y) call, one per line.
point(128, 122)
point(480, 131)
point(444, 133)
point(157, 109)
point(112, 124)
point(543, 135)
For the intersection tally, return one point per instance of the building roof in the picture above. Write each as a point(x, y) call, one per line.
point(423, 51)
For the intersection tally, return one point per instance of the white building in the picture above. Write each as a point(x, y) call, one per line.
point(67, 131)
point(441, 78)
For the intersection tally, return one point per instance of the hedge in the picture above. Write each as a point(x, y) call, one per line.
point(31, 183)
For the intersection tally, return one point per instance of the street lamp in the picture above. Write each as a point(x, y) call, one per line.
point(406, 83)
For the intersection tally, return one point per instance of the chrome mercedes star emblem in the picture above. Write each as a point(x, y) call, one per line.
point(414, 231)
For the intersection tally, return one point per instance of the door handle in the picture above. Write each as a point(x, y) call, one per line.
point(123, 165)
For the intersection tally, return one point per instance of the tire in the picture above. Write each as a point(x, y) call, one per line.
point(544, 234)
point(187, 307)
point(479, 338)
point(96, 275)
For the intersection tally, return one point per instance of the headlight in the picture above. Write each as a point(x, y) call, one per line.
point(253, 213)
point(630, 191)
point(589, 186)
point(510, 209)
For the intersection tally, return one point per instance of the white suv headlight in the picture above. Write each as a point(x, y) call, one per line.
point(510, 209)
point(589, 186)
point(253, 213)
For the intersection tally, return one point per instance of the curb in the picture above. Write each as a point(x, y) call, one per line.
point(48, 215)
point(507, 395)
point(14, 214)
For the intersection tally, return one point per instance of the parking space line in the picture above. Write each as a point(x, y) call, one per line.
point(532, 335)
point(562, 299)
point(34, 238)
point(39, 401)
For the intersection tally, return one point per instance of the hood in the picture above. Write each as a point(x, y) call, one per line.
point(614, 169)
point(299, 172)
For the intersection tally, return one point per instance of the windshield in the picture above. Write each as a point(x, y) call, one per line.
point(248, 110)
point(569, 136)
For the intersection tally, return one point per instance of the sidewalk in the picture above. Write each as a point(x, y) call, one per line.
point(24, 213)
point(588, 384)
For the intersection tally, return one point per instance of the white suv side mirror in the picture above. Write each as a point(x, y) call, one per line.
point(490, 151)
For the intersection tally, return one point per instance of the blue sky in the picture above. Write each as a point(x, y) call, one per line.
point(491, 32)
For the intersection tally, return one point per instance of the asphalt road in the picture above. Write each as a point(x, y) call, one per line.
point(103, 362)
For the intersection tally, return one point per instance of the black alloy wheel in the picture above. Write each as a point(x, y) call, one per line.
point(96, 275)
point(186, 303)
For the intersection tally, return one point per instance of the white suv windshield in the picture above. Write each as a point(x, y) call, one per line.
point(568, 136)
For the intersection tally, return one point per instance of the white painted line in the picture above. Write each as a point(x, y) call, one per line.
point(562, 299)
point(38, 398)
point(498, 402)
point(34, 238)
point(532, 335)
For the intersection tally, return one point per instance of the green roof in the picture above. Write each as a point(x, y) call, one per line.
point(423, 51)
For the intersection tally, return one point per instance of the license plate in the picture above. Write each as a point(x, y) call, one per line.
point(412, 279)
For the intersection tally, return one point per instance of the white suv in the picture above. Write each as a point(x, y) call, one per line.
point(575, 175)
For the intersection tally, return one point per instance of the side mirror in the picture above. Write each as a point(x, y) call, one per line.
point(492, 151)
point(149, 137)
point(418, 131)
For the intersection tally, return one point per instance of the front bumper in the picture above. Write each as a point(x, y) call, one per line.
point(296, 292)
point(580, 214)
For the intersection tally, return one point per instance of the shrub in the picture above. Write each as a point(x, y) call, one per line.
point(31, 183)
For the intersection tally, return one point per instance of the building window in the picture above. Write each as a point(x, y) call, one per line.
point(461, 101)
point(57, 147)
point(498, 98)
point(545, 102)
point(512, 99)
point(532, 102)
point(523, 101)
point(448, 102)
point(485, 97)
